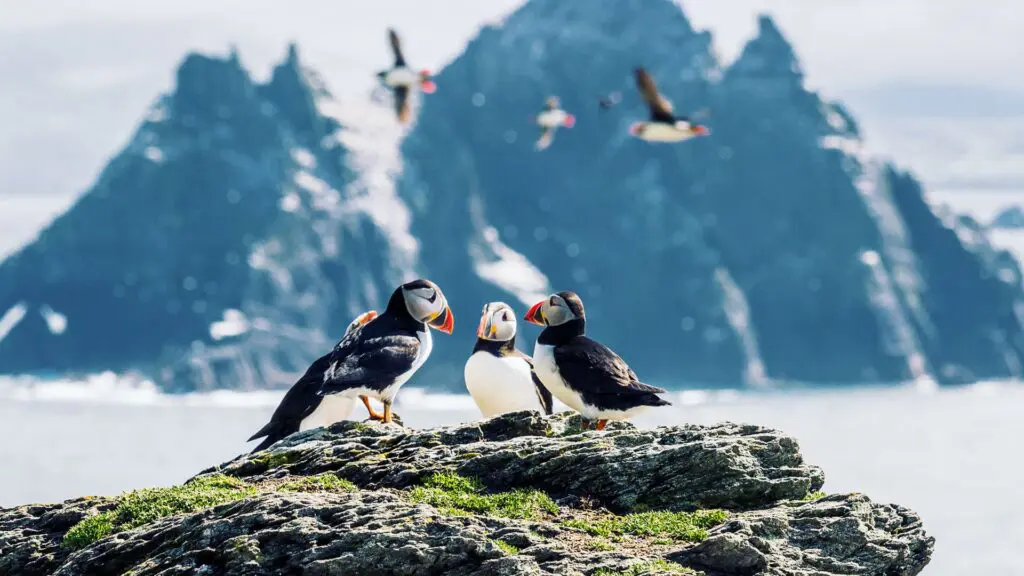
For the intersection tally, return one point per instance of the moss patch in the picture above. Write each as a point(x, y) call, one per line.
point(652, 568)
point(505, 547)
point(141, 507)
point(460, 496)
point(812, 496)
point(686, 526)
point(320, 483)
point(275, 459)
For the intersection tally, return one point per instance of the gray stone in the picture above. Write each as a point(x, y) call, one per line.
point(757, 473)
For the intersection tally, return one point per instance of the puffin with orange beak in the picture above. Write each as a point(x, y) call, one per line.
point(302, 408)
point(387, 351)
point(400, 78)
point(584, 374)
point(499, 377)
point(663, 125)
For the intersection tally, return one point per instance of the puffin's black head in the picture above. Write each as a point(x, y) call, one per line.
point(424, 302)
point(557, 309)
point(497, 323)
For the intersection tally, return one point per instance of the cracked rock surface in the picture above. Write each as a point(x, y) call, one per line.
point(756, 474)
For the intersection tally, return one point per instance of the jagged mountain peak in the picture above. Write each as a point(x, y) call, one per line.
point(768, 56)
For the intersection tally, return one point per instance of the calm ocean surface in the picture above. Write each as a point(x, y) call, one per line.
point(954, 456)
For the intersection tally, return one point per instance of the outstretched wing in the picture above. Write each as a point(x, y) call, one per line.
point(374, 362)
point(661, 108)
point(396, 48)
point(402, 103)
point(546, 135)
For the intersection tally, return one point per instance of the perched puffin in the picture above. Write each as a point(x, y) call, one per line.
point(607, 102)
point(400, 78)
point(550, 120)
point(585, 375)
point(663, 125)
point(499, 377)
point(302, 408)
point(383, 354)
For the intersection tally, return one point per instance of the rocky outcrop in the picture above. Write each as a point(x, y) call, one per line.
point(518, 494)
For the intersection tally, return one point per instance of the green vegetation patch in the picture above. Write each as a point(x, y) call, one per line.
point(812, 496)
point(327, 482)
point(652, 568)
point(687, 526)
point(140, 507)
point(460, 496)
point(505, 547)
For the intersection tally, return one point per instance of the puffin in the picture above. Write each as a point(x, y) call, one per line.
point(550, 119)
point(302, 408)
point(498, 376)
point(383, 354)
point(400, 78)
point(584, 374)
point(663, 125)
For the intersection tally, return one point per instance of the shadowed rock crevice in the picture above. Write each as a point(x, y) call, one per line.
point(517, 494)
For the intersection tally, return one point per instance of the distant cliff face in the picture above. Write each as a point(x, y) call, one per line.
point(245, 224)
point(773, 249)
point(222, 244)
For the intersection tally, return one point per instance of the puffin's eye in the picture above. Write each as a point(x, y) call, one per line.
point(504, 316)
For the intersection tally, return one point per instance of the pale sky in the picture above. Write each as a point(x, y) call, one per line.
point(77, 76)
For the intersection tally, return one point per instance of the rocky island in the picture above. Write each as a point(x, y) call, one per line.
point(516, 494)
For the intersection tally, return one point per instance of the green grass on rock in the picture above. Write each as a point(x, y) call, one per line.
point(140, 507)
point(460, 496)
point(688, 526)
point(326, 482)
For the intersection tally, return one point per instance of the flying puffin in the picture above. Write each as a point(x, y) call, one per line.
point(499, 377)
point(383, 354)
point(663, 125)
point(585, 375)
point(550, 119)
point(302, 408)
point(400, 78)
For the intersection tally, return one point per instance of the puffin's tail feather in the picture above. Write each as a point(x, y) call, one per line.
point(266, 430)
point(656, 400)
point(267, 443)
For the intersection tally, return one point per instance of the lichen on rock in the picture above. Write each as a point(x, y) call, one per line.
point(517, 494)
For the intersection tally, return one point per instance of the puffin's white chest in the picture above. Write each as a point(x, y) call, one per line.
point(552, 118)
point(500, 385)
point(403, 76)
point(333, 408)
point(661, 132)
point(546, 369)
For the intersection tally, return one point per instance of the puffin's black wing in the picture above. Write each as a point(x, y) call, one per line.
point(661, 108)
point(303, 398)
point(375, 362)
point(543, 394)
point(602, 377)
point(402, 103)
point(396, 48)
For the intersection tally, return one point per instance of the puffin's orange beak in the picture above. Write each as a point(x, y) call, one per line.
point(445, 321)
point(534, 315)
